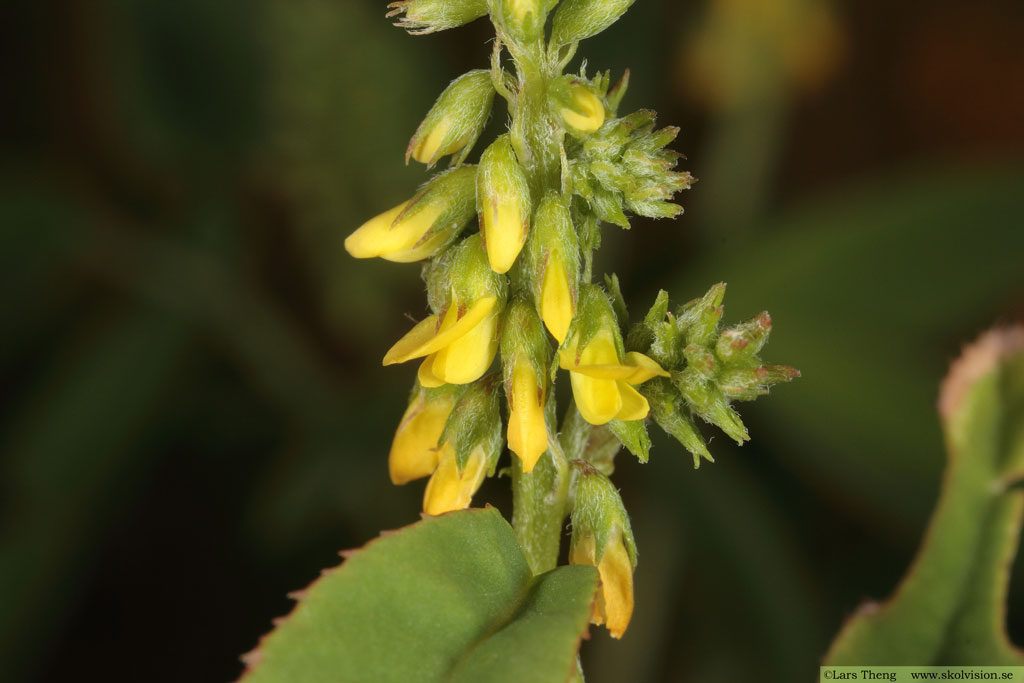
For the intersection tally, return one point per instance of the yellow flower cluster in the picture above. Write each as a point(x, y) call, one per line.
point(518, 287)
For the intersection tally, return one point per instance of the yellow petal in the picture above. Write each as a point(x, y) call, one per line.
point(427, 149)
point(634, 405)
point(527, 430)
point(422, 248)
point(520, 8)
point(556, 308)
point(644, 368)
point(587, 114)
point(469, 355)
point(614, 604)
point(427, 338)
point(414, 449)
point(615, 601)
point(426, 375)
point(504, 234)
point(598, 400)
point(400, 241)
point(447, 489)
point(374, 236)
point(615, 372)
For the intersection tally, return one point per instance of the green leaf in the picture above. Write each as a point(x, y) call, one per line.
point(450, 598)
point(950, 607)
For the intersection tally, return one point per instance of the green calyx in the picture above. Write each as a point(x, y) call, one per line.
point(420, 17)
point(710, 368)
point(598, 511)
point(476, 421)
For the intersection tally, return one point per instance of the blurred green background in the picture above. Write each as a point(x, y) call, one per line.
point(194, 416)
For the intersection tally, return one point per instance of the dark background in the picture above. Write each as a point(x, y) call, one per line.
point(194, 418)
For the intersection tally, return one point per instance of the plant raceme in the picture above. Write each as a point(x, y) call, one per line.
point(517, 285)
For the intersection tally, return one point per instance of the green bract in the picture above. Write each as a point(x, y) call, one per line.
point(456, 120)
point(578, 20)
point(419, 17)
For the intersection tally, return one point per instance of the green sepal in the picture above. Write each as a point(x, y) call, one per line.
point(420, 17)
point(698, 319)
point(456, 190)
point(578, 20)
point(746, 384)
point(613, 98)
point(465, 105)
point(744, 341)
point(522, 334)
point(595, 313)
point(669, 411)
point(525, 28)
point(706, 400)
point(553, 233)
point(464, 270)
point(475, 421)
point(598, 511)
point(611, 282)
point(633, 435)
point(607, 204)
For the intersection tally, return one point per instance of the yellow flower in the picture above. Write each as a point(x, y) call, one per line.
point(527, 429)
point(504, 228)
point(454, 123)
point(503, 197)
point(556, 305)
point(449, 489)
point(396, 238)
point(424, 225)
point(614, 604)
point(426, 149)
point(601, 382)
point(585, 112)
point(554, 256)
point(414, 449)
point(458, 347)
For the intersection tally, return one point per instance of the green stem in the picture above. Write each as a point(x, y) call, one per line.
point(539, 503)
point(539, 508)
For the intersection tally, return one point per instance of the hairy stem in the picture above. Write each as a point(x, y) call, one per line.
point(539, 504)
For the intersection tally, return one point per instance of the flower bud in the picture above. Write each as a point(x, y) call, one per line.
point(525, 356)
point(744, 341)
point(671, 415)
point(414, 448)
point(577, 105)
point(503, 200)
point(521, 20)
point(455, 121)
point(427, 16)
point(578, 20)
point(449, 487)
point(459, 342)
point(470, 447)
point(748, 383)
point(602, 537)
point(707, 400)
point(600, 372)
point(422, 226)
point(698, 319)
point(555, 256)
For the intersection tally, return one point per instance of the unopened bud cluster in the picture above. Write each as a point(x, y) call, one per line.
point(516, 284)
